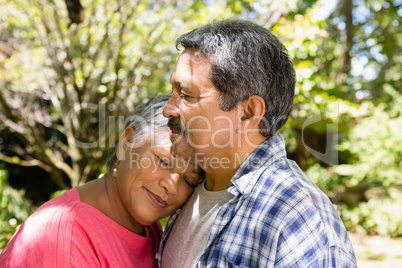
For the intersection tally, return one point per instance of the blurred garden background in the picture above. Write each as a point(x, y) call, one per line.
point(72, 72)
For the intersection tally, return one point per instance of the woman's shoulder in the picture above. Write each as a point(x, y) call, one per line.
point(61, 205)
point(47, 219)
point(44, 237)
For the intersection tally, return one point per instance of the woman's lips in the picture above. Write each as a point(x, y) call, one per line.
point(157, 200)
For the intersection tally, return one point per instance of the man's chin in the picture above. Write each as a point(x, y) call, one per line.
point(174, 151)
point(180, 148)
point(178, 151)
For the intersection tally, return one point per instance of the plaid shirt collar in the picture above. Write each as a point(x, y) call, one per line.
point(265, 155)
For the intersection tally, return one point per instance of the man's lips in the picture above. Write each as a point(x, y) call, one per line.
point(175, 130)
point(175, 127)
point(174, 134)
point(157, 200)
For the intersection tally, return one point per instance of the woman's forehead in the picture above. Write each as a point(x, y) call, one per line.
point(160, 139)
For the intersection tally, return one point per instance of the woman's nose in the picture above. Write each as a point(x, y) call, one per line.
point(170, 183)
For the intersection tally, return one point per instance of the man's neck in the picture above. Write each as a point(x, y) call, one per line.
point(220, 170)
point(212, 183)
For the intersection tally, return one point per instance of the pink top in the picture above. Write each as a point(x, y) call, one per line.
point(64, 232)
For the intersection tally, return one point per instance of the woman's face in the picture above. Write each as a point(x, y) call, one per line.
point(151, 183)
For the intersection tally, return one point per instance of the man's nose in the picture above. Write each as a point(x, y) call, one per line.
point(171, 109)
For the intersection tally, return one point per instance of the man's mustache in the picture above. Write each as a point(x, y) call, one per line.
point(173, 124)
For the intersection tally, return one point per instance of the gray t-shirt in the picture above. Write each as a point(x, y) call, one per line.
point(189, 235)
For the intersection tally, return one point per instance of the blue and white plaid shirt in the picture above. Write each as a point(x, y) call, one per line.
point(277, 218)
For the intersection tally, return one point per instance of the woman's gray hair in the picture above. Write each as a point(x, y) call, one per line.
point(247, 60)
point(146, 120)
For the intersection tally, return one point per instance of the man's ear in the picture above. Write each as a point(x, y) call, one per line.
point(253, 110)
point(125, 141)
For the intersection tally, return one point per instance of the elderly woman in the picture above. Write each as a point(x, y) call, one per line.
point(112, 221)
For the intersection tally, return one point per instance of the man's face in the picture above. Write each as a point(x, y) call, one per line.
point(194, 109)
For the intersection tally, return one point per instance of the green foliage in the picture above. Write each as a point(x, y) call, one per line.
point(372, 150)
point(374, 145)
point(78, 84)
point(338, 60)
point(15, 208)
point(164, 222)
point(377, 216)
point(57, 193)
point(326, 181)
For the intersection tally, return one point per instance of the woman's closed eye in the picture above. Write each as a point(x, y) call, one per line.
point(165, 162)
point(188, 182)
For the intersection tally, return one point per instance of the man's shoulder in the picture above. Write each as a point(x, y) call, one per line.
point(289, 197)
point(280, 176)
point(284, 175)
point(299, 212)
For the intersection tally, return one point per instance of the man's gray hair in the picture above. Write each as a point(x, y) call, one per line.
point(147, 120)
point(247, 60)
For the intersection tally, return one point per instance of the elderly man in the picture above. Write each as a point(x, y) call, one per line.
point(232, 89)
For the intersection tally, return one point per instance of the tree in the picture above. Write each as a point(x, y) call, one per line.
point(345, 54)
point(68, 88)
point(76, 78)
point(75, 11)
